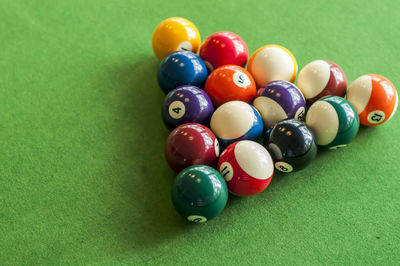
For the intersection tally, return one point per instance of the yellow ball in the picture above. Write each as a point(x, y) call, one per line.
point(175, 34)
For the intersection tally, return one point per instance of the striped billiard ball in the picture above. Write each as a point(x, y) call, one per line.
point(234, 121)
point(374, 97)
point(321, 78)
point(272, 62)
point(247, 168)
point(279, 100)
point(333, 120)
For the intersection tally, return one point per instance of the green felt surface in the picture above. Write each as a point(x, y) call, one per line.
point(83, 178)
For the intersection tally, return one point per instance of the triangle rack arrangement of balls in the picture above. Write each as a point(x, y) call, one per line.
point(219, 113)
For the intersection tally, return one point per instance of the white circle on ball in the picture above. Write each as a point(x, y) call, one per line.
point(376, 117)
point(283, 167)
point(323, 120)
point(254, 159)
point(197, 219)
point(232, 120)
point(185, 46)
point(176, 109)
point(359, 93)
point(226, 170)
point(216, 147)
point(300, 113)
point(241, 79)
point(313, 78)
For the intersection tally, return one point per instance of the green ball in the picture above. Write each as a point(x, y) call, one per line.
point(334, 121)
point(199, 193)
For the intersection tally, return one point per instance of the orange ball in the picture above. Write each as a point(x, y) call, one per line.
point(230, 83)
point(374, 97)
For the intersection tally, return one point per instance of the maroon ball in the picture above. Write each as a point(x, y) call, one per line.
point(191, 144)
point(321, 78)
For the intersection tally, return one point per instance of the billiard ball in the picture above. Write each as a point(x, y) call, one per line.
point(224, 48)
point(272, 62)
point(175, 34)
point(191, 144)
point(374, 97)
point(186, 104)
point(247, 167)
point(321, 78)
point(181, 68)
point(230, 83)
point(279, 100)
point(234, 121)
point(333, 120)
point(199, 193)
point(291, 145)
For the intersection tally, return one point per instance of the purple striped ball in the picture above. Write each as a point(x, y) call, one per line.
point(279, 100)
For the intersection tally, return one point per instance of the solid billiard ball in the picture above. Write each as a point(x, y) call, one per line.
point(247, 167)
point(191, 144)
point(374, 97)
point(199, 193)
point(234, 121)
point(279, 100)
point(272, 62)
point(175, 34)
point(186, 104)
point(230, 83)
point(333, 120)
point(223, 48)
point(321, 78)
point(181, 68)
point(291, 145)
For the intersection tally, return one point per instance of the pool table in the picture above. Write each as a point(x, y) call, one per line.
point(83, 178)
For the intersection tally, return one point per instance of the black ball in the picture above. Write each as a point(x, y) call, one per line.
point(291, 145)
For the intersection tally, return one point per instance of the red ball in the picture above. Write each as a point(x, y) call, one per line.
point(191, 144)
point(247, 167)
point(224, 48)
point(230, 83)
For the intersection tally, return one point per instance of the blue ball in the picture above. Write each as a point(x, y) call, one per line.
point(181, 68)
point(234, 121)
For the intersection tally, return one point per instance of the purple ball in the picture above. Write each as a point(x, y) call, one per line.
point(279, 100)
point(186, 104)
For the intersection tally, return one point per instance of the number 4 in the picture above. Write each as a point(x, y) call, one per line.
point(176, 110)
